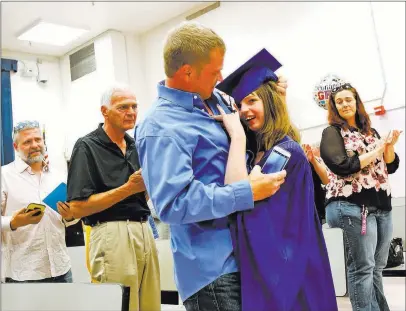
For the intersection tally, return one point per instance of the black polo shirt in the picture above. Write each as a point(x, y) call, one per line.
point(98, 165)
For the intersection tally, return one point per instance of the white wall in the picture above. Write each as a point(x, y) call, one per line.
point(311, 39)
point(43, 102)
point(390, 21)
point(137, 72)
point(68, 109)
point(301, 35)
point(118, 59)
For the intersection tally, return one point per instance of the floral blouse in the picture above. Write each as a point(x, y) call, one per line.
point(340, 150)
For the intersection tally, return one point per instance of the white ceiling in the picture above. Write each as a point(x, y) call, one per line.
point(131, 17)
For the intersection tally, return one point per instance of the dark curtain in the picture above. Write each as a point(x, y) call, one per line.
point(7, 150)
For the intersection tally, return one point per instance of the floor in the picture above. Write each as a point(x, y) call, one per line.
point(394, 288)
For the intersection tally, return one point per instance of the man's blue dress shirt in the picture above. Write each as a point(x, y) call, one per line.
point(183, 154)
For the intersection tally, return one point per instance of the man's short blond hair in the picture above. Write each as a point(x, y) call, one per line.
point(189, 43)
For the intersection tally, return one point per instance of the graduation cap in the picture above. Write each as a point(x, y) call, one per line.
point(250, 76)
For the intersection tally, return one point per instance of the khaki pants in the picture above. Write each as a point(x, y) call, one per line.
point(125, 252)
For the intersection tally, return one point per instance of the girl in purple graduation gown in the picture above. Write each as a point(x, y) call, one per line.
point(279, 245)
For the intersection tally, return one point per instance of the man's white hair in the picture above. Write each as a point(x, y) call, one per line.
point(109, 92)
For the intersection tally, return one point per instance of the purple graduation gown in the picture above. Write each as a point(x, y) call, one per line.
point(280, 247)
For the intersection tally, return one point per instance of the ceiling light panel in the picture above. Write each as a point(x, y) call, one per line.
point(52, 34)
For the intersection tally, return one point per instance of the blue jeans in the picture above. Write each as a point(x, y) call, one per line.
point(366, 254)
point(64, 278)
point(224, 294)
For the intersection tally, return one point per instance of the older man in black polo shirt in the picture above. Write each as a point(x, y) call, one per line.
point(106, 190)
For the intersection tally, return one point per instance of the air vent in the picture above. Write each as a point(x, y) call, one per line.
point(82, 62)
point(203, 11)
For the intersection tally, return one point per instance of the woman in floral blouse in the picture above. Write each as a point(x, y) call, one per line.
point(358, 194)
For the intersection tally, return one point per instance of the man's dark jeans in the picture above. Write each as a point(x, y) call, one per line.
point(224, 294)
point(64, 278)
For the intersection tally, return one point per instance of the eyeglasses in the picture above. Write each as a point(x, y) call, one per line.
point(338, 88)
point(25, 125)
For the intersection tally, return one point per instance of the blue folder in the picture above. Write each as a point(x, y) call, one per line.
point(58, 194)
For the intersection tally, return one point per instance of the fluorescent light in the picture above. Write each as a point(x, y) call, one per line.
point(53, 34)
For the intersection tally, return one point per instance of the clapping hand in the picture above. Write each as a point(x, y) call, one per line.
point(393, 137)
point(309, 152)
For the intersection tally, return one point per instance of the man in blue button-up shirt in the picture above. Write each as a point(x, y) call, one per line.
point(183, 154)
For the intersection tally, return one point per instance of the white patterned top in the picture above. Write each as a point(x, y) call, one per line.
point(32, 252)
point(374, 175)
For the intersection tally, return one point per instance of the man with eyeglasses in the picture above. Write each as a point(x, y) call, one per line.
point(106, 190)
point(33, 243)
